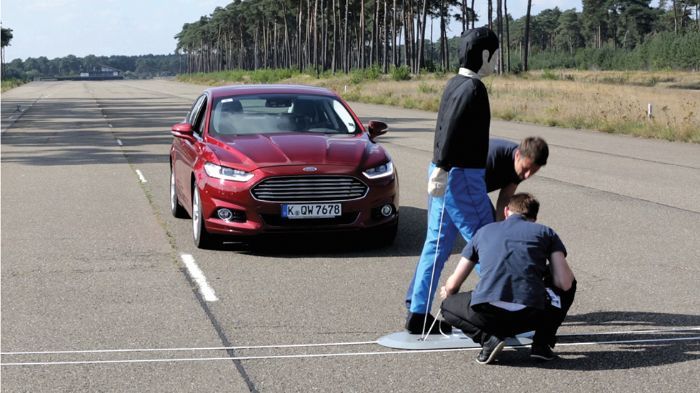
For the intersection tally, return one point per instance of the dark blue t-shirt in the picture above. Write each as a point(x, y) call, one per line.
point(500, 169)
point(513, 256)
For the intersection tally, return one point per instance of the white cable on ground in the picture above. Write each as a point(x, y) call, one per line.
point(411, 351)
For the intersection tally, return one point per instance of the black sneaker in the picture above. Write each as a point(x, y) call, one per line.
point(542, 352)
point(415, 323)
point(490, 349)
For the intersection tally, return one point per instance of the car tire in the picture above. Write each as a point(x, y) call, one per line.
point(175, 207)
point(202, 238)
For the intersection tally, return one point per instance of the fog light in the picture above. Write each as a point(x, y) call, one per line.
point(387, 210)
point(224, 214)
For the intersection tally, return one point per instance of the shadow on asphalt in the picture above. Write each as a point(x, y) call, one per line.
point(400, 124)
point(634, 350)
point(621, 319)
point(409, 242)
point(71, 131)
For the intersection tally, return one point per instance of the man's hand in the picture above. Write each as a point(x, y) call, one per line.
point(437, 183)
point(455, 280)
point(444, 293)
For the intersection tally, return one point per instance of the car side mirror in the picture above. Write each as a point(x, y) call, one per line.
point(183, 130)
point(376, 128)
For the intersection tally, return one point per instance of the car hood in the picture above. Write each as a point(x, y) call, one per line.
point(302, 149)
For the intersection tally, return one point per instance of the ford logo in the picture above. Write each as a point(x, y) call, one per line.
point(310, 169)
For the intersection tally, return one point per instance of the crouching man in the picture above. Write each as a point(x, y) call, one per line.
point(517, 291)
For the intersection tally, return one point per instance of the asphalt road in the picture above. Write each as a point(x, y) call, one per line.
point(96, 296)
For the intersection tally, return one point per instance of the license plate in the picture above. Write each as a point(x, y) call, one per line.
point(311, 210)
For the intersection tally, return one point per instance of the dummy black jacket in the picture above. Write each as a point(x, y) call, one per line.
point(462, 129)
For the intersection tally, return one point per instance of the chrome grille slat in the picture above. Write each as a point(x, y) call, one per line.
point(360, 189)
point(309, 189)
point(278, 186)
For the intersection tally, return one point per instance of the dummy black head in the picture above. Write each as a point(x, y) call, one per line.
point(474, 42)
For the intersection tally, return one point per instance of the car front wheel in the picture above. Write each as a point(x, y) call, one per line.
point(202, 238)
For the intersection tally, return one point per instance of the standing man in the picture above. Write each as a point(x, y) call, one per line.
point(517, 291)
point(459, 201)
point(508, 164)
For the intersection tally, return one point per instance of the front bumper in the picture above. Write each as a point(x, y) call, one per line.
point(255, 217)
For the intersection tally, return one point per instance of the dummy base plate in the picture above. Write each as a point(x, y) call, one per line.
point(405, 340)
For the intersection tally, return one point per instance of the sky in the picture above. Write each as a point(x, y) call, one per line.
point(58, 28)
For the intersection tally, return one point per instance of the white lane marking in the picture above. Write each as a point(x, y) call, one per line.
point(196, 274)
point(320, 355)
point(141, 177)
point(119, 142)
point(192, 349)
point(331, 344)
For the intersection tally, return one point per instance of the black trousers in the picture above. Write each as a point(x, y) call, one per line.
point(484, 320)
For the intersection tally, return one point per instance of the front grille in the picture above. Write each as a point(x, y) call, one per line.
point(309, 189)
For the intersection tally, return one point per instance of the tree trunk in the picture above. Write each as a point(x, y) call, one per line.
point(385, 49)
point(287, 52)
point(675, 17)
point(323, 53)
point(377, 29)
point(394, 36)
point(444, 58)
point(299, 22)
point(505, 8)
point(407, 40)
point(473, 15)
point(527, 35)
point(499, 26)
point(335, 38)
point(361, 36)
point(314, 32)
point(373, 37)
point(345, 39)
point(421, 39)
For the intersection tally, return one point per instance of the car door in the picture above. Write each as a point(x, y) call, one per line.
point(187, 151)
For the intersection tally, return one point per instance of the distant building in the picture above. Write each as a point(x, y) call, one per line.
point(99, 73)
point(103, 72)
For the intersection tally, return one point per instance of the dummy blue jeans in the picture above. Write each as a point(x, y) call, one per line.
point(464, 208)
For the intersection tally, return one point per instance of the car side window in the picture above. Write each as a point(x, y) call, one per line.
point(194, 110)
point(196, 117)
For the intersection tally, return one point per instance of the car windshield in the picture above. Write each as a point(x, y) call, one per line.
point(276, 113)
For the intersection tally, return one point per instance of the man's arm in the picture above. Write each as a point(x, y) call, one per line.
point(561, 272)
point(503, 198)
point(464, 267)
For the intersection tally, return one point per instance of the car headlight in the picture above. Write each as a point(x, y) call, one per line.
point(383, 170)
point(225, 173)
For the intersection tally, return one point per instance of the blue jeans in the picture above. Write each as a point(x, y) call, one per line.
point(464, 208)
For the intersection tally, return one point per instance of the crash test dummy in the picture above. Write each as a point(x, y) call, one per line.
point(458, 202)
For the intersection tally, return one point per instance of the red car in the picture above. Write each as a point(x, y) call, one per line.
point(263, 159)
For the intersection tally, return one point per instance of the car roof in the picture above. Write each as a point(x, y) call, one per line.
point(234, 90)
